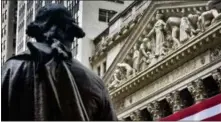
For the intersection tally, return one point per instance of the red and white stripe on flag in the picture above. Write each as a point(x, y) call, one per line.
point(207, 110)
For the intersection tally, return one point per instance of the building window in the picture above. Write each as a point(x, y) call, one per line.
point(5, 14)
point(106, 15)
point(47, 2)
point(14, 43)
point(3, 59)
point(75, 48)
point(59, 2)
point(116, 1)
point(3, 17)
point(99, 71)
point(104, 67)
point(4, 30)
point(2, 34)
point(3, 48)
point(38, 5)
point(29, 4)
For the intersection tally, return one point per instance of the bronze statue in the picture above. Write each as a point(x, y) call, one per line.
point(46, 83)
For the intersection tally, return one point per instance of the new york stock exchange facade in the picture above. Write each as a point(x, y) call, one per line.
point(167, 61)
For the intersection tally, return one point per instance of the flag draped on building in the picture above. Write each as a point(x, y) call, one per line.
point(207, 110)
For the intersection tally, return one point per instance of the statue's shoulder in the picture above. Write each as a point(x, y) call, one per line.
point(84, 74)
point(17, 61)
point(20, 57)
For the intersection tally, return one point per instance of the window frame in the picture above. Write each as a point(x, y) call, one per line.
point(105, 14)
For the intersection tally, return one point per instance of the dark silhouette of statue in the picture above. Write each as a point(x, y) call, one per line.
point(45, 82)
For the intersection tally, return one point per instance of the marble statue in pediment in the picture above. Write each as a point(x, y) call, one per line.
point(194, 20)
point(136, 58)
point(210, 16)
point(158, 32)
point(146, 54)
point(127, 69)
point(185, 28)
point(103, 43)
point(115, 79)
point(173, 24)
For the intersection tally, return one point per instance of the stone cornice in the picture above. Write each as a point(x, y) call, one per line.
point(192, 48)
point(137, 32)
point(171, 85)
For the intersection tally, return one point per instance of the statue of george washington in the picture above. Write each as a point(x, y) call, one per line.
point(46, 83)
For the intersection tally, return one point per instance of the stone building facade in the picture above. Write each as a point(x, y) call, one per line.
point(161, 57)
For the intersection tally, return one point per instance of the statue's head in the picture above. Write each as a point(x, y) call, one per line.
point(184, 13)
point(159, 16)
point(135, 47)
point(54, 21)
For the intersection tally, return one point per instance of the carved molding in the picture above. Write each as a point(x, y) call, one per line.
point(142, 103)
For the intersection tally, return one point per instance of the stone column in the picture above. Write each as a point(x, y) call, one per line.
point(154, 109)
point(175, 101)
point(217, 77)
point(136, 115)
point(197, 90)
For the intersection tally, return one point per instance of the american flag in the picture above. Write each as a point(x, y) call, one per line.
point(206, 110)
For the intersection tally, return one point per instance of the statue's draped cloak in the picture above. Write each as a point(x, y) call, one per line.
point(41, 86)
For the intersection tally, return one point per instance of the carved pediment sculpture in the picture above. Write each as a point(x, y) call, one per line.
point(146, 54)
point(158, 32)
point(163, 33)
point(209, 17)
point(103, 43)
point(194, 20)
point(117, 77)
point(127, 68)
point(185, 28)
point(173, 25)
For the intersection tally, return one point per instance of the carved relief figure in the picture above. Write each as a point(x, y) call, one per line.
point(158, 30)
point(146, 53)
point(194, 20)
point(185, 28)
point(136, 58)
point(116, 79)
point(210, 16)
point(103, 44)
point(173, 24)
point(128, 70)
